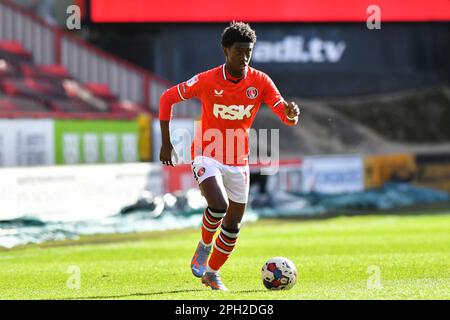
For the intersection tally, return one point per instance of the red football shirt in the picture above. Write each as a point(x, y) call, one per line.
point(229, 107)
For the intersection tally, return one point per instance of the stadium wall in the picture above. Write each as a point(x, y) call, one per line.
point(82, 192)
point(43, 142)
point(327, 173)
point(69, 193)
point(27, 142)
point(304, 59)
point(78, 141)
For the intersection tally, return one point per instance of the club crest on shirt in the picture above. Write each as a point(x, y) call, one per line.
point(252, 92)
point(201, 171)
point(192, 81)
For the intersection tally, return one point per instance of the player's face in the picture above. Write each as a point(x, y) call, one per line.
point(238, 57)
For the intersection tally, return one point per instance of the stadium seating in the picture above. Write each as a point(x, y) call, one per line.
point(28, 89)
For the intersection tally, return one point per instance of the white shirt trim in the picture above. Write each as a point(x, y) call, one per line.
point(179, 92)
point(223, 72)
point(278, 102)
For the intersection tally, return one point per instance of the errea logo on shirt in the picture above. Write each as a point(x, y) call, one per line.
point(233, 112)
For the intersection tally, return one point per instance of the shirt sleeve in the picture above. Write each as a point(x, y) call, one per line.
point(166, 102)
point(190, 88)
point(275, 101)
point(181, 92)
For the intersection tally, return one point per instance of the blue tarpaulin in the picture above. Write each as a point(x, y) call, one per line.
point(182, 211)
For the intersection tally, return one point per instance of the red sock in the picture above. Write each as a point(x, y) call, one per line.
point(223, 247)
point(210, 223)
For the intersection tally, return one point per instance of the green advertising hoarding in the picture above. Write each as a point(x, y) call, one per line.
point(96, 141)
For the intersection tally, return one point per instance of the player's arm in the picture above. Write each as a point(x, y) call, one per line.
point(289, 113)
point(175, 94)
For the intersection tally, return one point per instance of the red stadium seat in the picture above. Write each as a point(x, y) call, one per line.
point(71, 106)
point(14, 52)
point(30, 87)
point(21, 87)
point(103, 92)
point(21, 104)
point(13, 47)
point(7, 69)
point(126, 106)
point(56, 72)
point(100, 90)
point(7, 105)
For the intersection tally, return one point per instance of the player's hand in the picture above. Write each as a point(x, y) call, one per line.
point(291, 109)
point(165, 155)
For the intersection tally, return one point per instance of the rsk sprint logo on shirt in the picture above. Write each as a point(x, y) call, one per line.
point(233, 112)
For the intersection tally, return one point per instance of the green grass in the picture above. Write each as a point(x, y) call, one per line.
point(332, 256)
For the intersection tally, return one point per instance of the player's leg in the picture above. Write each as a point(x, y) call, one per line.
point(215, 194)
point(208, 174)
point(237, 185)
point(226, 240)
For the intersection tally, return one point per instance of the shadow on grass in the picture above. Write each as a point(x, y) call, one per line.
point(146, 294)
point(143, 294)
point(250, 291)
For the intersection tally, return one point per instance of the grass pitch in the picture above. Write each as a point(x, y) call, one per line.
point(366, 257)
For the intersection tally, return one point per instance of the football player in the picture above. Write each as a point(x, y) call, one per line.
point(231, 95)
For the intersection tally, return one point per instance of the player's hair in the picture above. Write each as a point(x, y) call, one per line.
point(237, 32)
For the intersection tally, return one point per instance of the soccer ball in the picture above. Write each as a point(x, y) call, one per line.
point(279, 273)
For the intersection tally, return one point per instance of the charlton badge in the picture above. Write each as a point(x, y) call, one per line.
point(201, 171)
point(252, 92)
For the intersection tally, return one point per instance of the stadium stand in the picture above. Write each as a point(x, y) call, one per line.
point(30, 89)
point(91, 83)
point(62, 76)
